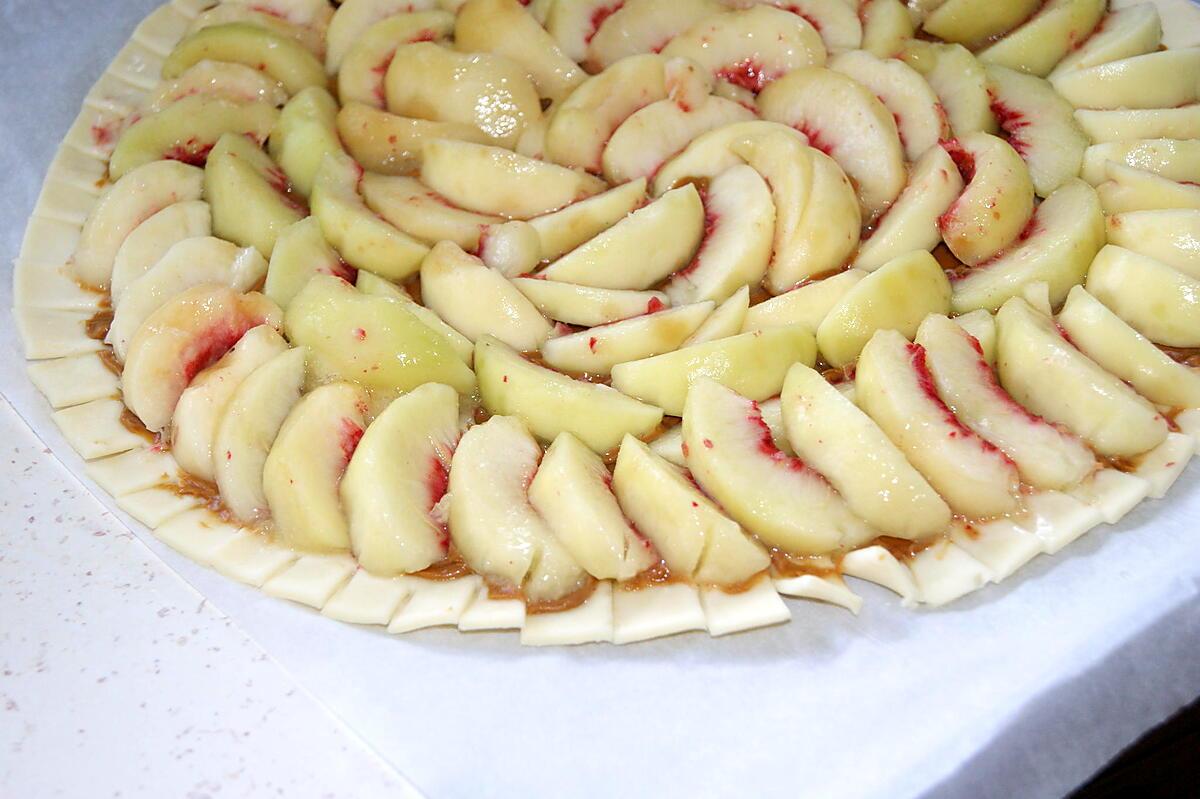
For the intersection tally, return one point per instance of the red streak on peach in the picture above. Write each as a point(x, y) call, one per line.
point(748, 74)
point(957, 428)
point(654, 305)
point(192, 151)
point(1012, 122)
point(766, 443)
point(351, 434)
point(598, 16)
point(212, 344)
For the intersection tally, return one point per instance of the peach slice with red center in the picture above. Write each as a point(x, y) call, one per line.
point(817, 219)
point(920, 119)
point(1171, 236)
point(959, 81)
point(189, 263)
point(996, 204)
point(492, 180)
point(749, 48)
point(305, 133)
point(652, 135)
point(1162, 79)
point(1046, 374)
point(203, 403)
point(911, 223)
point(1118, 348)
point(833, 435)
point(391, 145)
point(236, 82)
point(1165, 308)
point(584, 121)
point(301, 252)
point(844, 120)
point(188, 129)
point(563, 230)
point(642, 26)
point(777, 497)
point(396, 480)
point(1058, 28)
point(364, 240)
point(283, 58)
point(182, 338)
point(1174, 159)
point(354, 17)
point(309, 37)
point(1045, 456)
point(596, 350)
point(895, 388)
point(150, 241)
point(1039, 125)
point(365, 66)
point(711, 153)
point(492, 522)
point(247, 429)
point(572, 491)
point(1057, 247)
point(373, 340)
point(641, 249)
point(251, 197)
point(739, 222)
point(587, 305)
point(1122, 34)
point(505, 28)
point(124, 206)
point(574, 23)
point(974, 22)
point(550, 403)
point(490, 92)
point(422, 213)
point(306, 464)
point(1130, 189)
point(695, 539)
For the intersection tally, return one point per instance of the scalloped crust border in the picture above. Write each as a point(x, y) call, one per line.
point(51, 312)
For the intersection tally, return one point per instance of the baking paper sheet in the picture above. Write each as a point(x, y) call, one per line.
point(1021, 689)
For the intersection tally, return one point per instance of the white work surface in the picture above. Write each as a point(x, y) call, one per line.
point(127, 670)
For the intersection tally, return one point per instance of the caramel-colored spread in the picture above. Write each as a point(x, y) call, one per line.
point(785, 564)
point(566, 602)
point(903, 549)
point(953, 267)
point(133, 424)
point(657, 574)
point(1119, 463)
point(450, 567)
point(188, 485)
point(110, 361)
point(1188, 356)
point(97, 327)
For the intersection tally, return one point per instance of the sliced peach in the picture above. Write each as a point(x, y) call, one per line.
point(911, 223)
point(837, 23)
point(643, 26)
point(504, 27)
point(313, 14)
point(974, 22)
point(191, 262)
point(305, 133)
point(1043, 372)
point(749, 48)
point(1130, 189)
point(365, 66)
point(1165, 308)
point(391, 144)
point(726, 319)
point(1058, 28)
point(372, 340)
point(997, 203)
point(1057, 247)
point(817, 217)
point(1140, 123)
point(301, 252)
point(1045, 456)
point(563, 230)
point(1168, 235)
point(423, 213)
point(354, 17)
point(587, 305)
point(959, 81)
point(596, 350)
point(202, 404)
point(894, 386)
point(282, 58)
point(711, 153)
point(1163, 79)
point(572, 491)
point(188, 129)
point(844, 120)
point(247, 429)
point(130, 201)
point(236, 12)
point(492, 180)
point(251, 198)
point(305, 467)
point(695, 538)
point(641, 249)
point(886, 25)
point(150, 240)
point(236, 82)
point(376, 286)
point(805, 305)
point(179, 340)
point(920, 119)
point(1122, 34)
point(487, 91)
point(573, 23)
point(752, 364)
point(551, 403)
point(841, 442)
point(1174, 159)
point(732, 455)
point(396, 479)
point(364, 240)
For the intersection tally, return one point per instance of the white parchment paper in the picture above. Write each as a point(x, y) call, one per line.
point(1021, 689)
